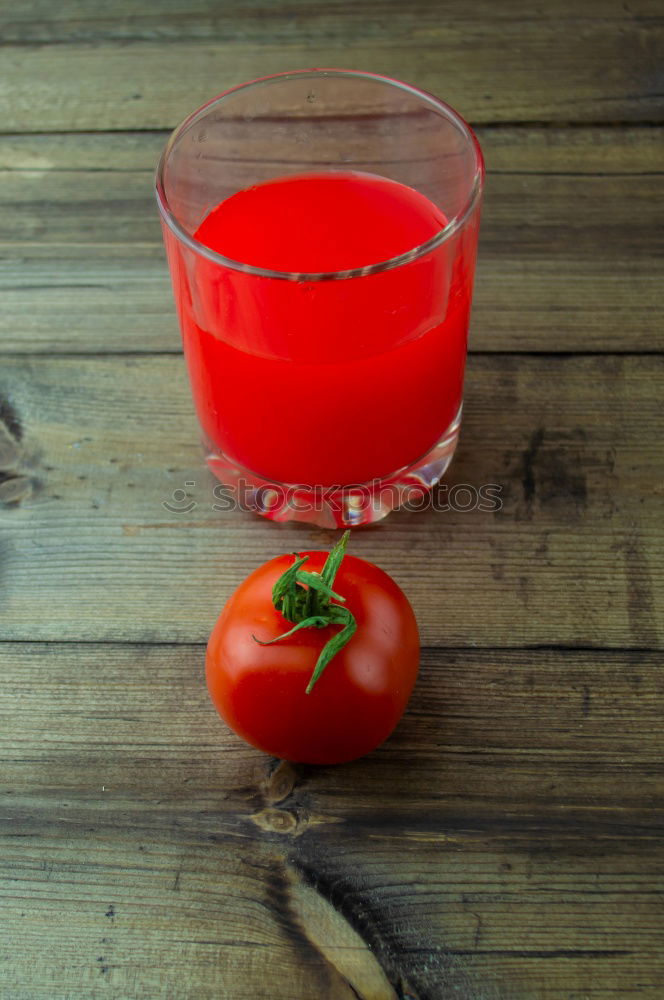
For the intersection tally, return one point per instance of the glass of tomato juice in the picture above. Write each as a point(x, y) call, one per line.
point(321, 231)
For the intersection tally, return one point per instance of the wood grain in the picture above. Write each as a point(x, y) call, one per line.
point(598, 65)
point(567, 262)
point(39, 22)
point(573, 557)
point(506, 842)
point(538, 150)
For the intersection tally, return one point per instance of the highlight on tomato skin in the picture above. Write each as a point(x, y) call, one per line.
point(259, 678)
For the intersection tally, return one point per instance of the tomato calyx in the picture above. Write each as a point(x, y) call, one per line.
point(306, 598)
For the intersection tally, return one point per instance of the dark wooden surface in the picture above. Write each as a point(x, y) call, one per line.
point(507, 843)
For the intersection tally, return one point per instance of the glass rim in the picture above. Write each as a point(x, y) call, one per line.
point(442, 236)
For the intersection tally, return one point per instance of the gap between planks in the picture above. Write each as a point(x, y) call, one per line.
point(97, 355)
point(521, 125)
point(425, 650)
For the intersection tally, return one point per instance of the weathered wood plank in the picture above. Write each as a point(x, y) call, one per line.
point(547, 213)
point(39, 22)
point(574, 556)
point(506, 843)
point(538, 150)
point(507, 838)
point(564, 65)
point(570, 257)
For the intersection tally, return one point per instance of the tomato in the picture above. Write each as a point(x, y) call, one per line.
point(261, 684)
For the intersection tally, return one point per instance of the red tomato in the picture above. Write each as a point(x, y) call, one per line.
point(260, 690)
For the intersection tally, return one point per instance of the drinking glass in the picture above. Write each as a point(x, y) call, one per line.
point(330, 396)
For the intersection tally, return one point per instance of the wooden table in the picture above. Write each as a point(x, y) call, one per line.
point(507, 842)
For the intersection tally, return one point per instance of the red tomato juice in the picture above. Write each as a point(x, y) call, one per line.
point(325, 382)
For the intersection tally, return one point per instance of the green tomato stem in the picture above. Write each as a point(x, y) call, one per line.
point(306, 598)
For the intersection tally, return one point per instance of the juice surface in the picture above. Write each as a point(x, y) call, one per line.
point(330, 221)
point(328, 382)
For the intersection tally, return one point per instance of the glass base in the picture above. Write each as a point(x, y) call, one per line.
point(336, 506)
